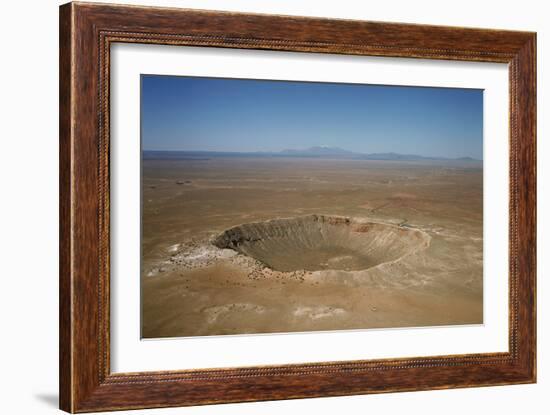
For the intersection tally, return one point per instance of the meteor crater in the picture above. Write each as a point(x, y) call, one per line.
point(320, 242)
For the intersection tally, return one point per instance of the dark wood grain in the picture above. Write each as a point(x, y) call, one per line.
point(86, 33)
point(65, 246)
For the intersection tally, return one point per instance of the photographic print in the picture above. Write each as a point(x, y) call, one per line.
point(285, 206)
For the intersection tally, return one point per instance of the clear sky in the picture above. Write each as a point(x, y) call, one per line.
point(192, 113)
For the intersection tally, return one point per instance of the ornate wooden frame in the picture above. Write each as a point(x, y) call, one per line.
point(86, 33)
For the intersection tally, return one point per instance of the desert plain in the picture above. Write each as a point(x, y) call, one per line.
point(242, 245)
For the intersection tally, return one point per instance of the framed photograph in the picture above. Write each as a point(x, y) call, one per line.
point(258, 207)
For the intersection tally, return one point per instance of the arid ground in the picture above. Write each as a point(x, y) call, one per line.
point(265, 245)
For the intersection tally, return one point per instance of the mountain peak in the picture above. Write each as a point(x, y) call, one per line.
point(318, 150)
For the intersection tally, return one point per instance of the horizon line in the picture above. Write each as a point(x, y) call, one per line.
point(305, 149)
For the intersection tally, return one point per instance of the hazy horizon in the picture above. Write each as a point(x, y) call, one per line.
point(297, 150)
point(252, 116)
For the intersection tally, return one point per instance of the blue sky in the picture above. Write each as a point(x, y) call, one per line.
point(214, 114)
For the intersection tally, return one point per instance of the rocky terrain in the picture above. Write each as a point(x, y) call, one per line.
point(261, 246)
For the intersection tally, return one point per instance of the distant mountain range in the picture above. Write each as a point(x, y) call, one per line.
point(336, 152)
point(311, 152)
